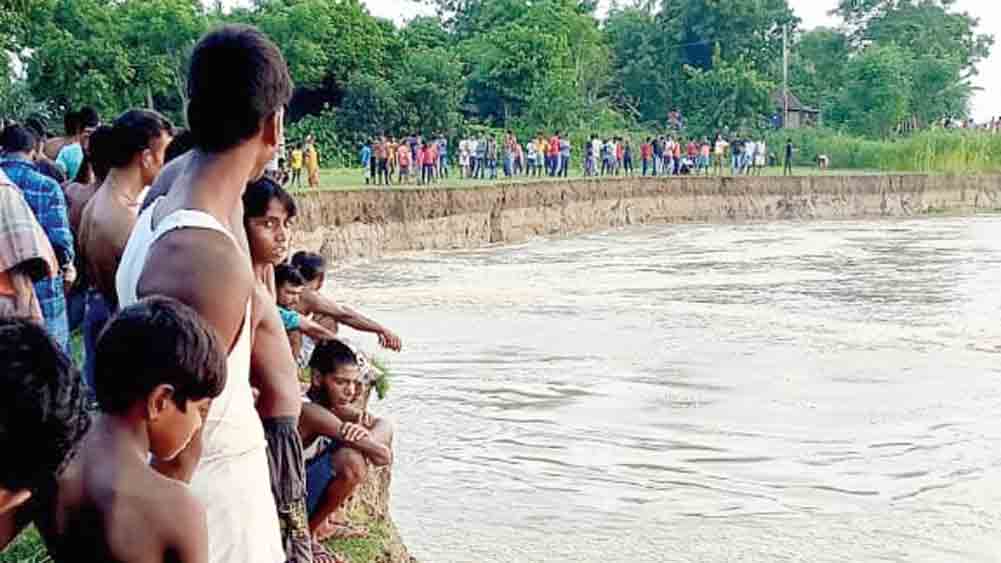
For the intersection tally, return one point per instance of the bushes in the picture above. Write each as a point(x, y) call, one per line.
point(936, 151)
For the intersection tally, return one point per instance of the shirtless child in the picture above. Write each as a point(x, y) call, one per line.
point(289, 285)
point(158, 368)
point(43, 418)
point(336, 467)
point(327, 312)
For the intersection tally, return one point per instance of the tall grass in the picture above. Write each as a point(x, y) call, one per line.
point(939, 151)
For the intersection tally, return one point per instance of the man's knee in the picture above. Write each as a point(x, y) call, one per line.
point(353, 467)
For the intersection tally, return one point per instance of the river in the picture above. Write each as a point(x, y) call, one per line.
point(825, 391)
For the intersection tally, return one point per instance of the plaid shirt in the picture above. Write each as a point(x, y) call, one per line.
point(46, 199)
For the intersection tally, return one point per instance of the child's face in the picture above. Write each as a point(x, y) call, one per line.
point(289, 295)
point(171, 429)
point(341, 386)
point(269, 235)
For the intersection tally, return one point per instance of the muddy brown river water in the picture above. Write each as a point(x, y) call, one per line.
point(826, 391)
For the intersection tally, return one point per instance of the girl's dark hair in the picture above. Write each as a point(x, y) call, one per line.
point(287, 274)
point(259, 194)
point(43, 413)
point(134, 132)
point(310, 264)
point(154, 342)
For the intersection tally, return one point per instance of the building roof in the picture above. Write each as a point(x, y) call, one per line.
point(794, 102)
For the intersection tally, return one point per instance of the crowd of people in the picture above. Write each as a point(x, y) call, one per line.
point(413, 160)
point(189, 436)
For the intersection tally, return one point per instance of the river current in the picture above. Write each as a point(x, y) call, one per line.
point(825, 391)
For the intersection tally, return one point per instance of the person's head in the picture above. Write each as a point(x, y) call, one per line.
point(101, 145)
point(43, 414)
point(157, 361)
point(268, 211)
point(18, 139)
point(182, 142)
point(289, 284)
point(37, 125)
point(313, 268)
point(88, 118)
point(71, 123)
point(238, 86)
point(335, 373)
point(139, 139)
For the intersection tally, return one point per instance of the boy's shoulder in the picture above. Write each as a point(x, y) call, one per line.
point(141, 512)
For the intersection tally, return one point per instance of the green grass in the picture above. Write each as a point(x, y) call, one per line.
point(351, 179)
point(364, 550)
point(927, 152)
point(27, 548)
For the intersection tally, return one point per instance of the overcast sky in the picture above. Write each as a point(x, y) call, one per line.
point(813, 13)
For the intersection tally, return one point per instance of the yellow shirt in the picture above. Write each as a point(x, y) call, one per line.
point(296, 159)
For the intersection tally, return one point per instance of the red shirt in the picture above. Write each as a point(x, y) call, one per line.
point(646, 151)
point(619, 152)
point(554, 146)
point(693, 150)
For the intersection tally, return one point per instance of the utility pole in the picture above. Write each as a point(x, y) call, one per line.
point(785, 76)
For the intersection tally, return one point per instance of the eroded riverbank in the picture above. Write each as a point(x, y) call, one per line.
point(375, 222)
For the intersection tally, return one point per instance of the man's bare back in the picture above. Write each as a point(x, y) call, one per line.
point(120, 510)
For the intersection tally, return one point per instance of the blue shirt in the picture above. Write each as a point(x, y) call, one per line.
point(47, 201)
point(71, 158)
point(366, 155)
point(290, 319)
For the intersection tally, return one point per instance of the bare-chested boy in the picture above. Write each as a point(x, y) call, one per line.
point(329, 313)
point(43, 418)
point(191, 245)
point(335, 467)
point(158, 368)
point(289, 286)
point(134, 152)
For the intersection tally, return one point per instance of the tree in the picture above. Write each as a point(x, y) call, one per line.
point(943, 47)
point(324, 41)
point(76, 56)
point(159, 36)
point(817, 68)
point(740, 29)
point(370, 108)
point(877, 94)
point(727, 95)
point(430, 89)
point(647, 68)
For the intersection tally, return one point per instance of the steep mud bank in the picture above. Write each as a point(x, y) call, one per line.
point(373, 222)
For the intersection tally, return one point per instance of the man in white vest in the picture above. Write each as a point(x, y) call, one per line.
point(191, 245)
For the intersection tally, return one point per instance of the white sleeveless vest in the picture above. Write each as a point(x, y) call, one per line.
point(232, 478)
